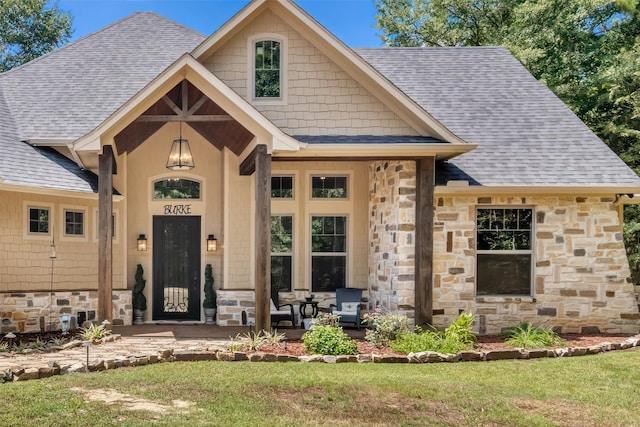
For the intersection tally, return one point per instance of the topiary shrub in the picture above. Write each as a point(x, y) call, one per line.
point(139, 300)
point(210, 297)
point(328, 340)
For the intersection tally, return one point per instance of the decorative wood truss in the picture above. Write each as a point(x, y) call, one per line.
point(185, 103)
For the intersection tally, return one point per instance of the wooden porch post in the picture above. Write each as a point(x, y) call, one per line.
point(105, 225)
point(425, 183)
point(259, 161)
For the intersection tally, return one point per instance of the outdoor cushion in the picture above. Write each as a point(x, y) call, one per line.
point(349, 307)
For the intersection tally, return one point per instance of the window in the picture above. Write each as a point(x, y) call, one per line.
point(281, 252)
point(73, 223)
point(114, 224)
point(328, 253)
point(282, 187)
point(267, 75)
point(176, 188)
point(504, 251)
point(38, 220)
point(329, 187)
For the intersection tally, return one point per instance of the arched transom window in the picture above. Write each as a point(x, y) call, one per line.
point(176, 188)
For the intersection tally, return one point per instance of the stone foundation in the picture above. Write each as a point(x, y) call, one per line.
point(31, 311)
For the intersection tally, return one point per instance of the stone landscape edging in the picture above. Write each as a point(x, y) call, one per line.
point(19, 373)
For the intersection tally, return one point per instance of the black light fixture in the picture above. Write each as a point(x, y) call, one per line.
point(142, 242)
point(180, 157)
point(212, 243)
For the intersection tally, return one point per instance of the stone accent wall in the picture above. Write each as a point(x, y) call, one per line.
point(31, 311)
point(322, 98)
point(392, 188)
point(581, 273)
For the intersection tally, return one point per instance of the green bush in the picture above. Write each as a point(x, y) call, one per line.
point(385, 327)
point(139, 300)
point(329, 340)
point(455, 338)
point(525, 335)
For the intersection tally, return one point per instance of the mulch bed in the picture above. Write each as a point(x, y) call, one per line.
point(485, 342)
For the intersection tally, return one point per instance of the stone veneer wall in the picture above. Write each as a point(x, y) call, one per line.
point(30, 311)
point(581, 273)
point(392, 196)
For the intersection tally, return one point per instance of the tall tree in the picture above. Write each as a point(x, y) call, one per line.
point(29, 29)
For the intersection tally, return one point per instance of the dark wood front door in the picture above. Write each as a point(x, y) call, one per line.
point(176, 268)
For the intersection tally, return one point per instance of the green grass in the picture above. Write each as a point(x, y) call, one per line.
point(598, 390)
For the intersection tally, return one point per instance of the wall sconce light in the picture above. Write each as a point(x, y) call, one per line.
point(212, 243)
point(142, 242)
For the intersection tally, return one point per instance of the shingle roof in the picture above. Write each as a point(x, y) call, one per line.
point(367, 139)
point(526, 135)
point(67, 93)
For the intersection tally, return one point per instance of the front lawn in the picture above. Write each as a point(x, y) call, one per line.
point(601, 390)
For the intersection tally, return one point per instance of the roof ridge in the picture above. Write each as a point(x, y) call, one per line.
point(98, 31)
point(497, 47)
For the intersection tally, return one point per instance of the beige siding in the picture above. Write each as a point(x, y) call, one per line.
point(322, 98)
point(24, 260)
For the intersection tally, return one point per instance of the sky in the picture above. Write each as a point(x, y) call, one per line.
point(350, 20)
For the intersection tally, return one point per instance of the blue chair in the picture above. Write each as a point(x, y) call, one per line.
point(347, 305)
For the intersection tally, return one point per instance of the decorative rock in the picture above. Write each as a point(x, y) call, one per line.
point(577, 351)
point(110, 364)
point(594, 349)
point(96, 365)
point(312, 358)
point(286, 358)
point(165, 354)
point(16, 370)
point(471, 356)
point(329, 359)
point(76, 367)
point(363, 358)
point(502, 354)
point(27, 374)
point(269, 357)
point(48, 372)
point(191, 356)
point(240, 356)
point(451, 357)
point(153, 359)
point(538, 353)
point(345, 358)
point(226, 356)
point(257, 357)
point(377, 358)
point(561, 352)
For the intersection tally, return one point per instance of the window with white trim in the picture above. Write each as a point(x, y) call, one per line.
point(504, 251)
point(267, 75)
point(39, 220)
point(328, 253)
point(73, 223)
point(281, 252)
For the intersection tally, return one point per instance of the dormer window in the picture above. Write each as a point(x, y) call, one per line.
point(267, 81)
point(267, 69)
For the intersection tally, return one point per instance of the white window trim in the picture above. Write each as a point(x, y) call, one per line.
point(530, 251)
point(116, 231)
point(284, 44)
point(27, 235)
point(347, 254)
point(85, 225)
point(332, 174)
point(292, 288)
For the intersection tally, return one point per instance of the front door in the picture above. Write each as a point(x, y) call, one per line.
point(176, 268)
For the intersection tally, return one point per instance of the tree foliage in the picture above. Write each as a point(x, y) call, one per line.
point(586, 51)
point(29, 29)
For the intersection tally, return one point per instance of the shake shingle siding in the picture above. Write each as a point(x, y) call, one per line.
point(526, 135)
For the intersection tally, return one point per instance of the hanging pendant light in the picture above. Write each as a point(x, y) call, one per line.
point(180, 158)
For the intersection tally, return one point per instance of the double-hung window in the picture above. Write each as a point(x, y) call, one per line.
point(328, 253)
point(267, 78)
point(39, 218)
point(504, 251)
point(73, 223)
point(281, 252)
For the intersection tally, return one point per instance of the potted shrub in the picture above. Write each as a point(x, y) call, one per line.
point(139, 300)
point(210, 303)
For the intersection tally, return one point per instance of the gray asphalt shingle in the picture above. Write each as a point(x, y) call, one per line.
point(526, 135)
